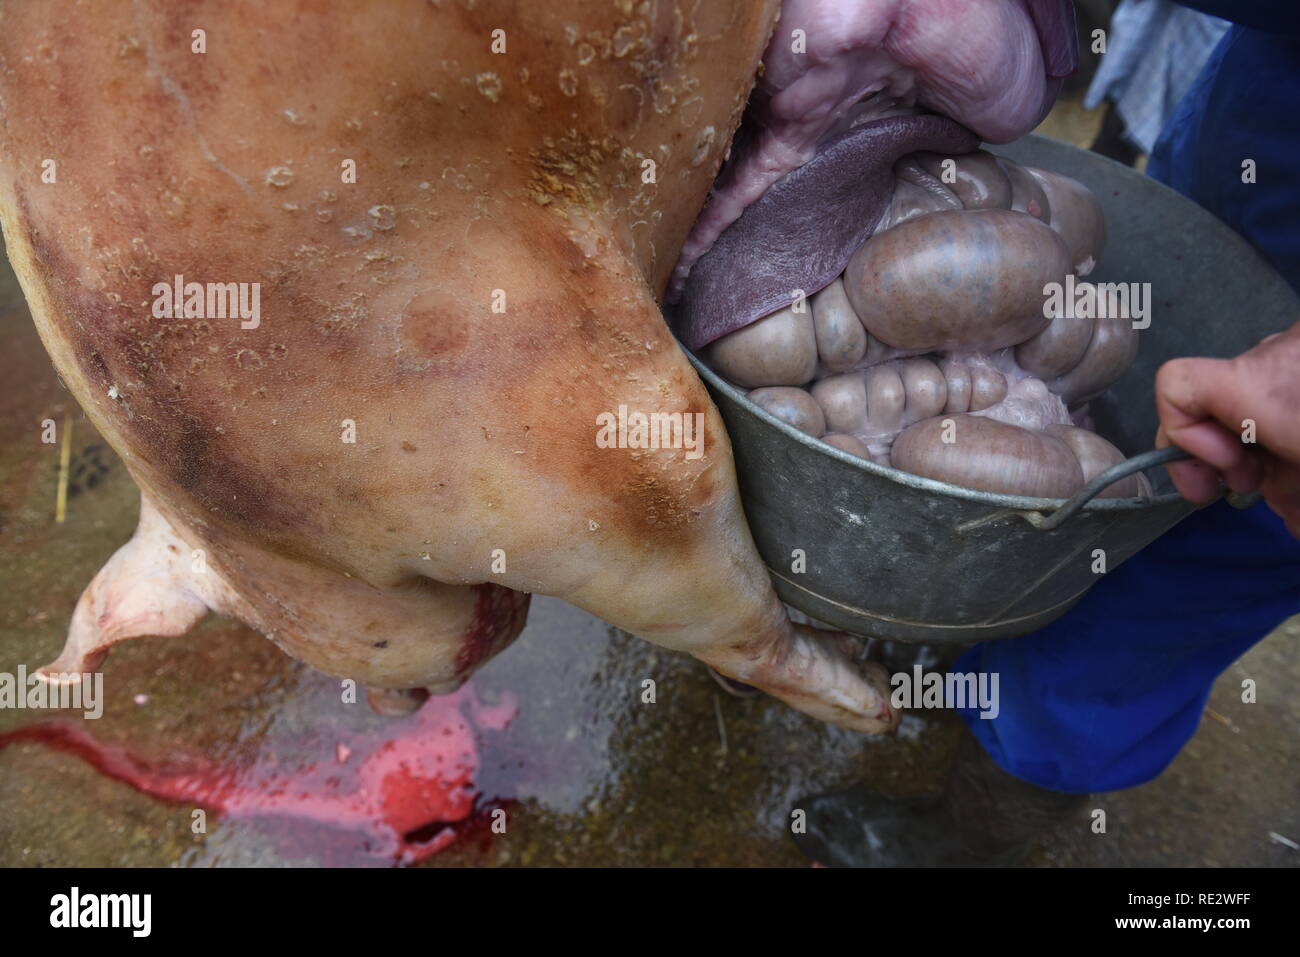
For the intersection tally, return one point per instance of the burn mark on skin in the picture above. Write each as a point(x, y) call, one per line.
point(435, 328)
point(571, 169)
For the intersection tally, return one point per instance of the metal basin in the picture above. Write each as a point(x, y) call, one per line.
point(893, 555)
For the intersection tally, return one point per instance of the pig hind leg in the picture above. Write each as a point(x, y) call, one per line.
point(400, 643)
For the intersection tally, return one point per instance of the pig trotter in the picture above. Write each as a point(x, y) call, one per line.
point(848, 692)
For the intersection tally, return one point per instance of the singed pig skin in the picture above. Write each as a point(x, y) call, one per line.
point(404, 558)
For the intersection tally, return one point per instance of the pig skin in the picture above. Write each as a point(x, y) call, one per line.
point(475, 429)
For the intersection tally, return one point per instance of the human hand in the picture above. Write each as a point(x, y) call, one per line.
point(1240, 418)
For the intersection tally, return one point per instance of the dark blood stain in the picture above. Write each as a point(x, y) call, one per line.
point(478, 825)
point(499, 614)
point(395, 796)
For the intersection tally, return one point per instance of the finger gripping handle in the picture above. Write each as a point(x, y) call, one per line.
point(1138, 463)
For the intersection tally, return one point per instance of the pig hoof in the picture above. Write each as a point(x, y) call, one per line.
point(817, 671)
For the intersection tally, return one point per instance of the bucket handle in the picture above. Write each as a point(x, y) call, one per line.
point(1138, 463)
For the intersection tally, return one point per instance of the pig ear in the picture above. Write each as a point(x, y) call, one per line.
point(155, 584)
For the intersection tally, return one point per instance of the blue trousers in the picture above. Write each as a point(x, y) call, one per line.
point(1107, 695)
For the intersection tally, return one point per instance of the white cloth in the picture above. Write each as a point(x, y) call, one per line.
point(1154, 51)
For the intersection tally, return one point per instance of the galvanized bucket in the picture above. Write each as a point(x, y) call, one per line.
point(880, 552)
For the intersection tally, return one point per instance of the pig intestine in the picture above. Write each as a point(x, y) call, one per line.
point(939, 316)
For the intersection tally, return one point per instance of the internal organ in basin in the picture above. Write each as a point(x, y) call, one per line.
point(994, 66)
point(395, 796)
point(933, 352)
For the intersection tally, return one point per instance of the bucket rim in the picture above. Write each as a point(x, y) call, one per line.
point(1019, 503)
